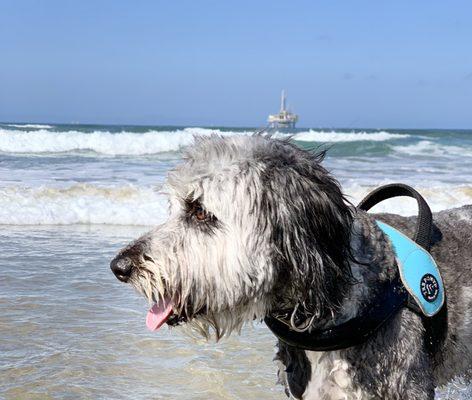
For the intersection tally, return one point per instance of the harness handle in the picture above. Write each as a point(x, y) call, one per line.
point(424, 223)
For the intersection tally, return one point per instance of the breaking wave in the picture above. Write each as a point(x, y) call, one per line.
point(133, 205)
point(82, 204)
point(428, 148)
point(334, 136)
point(152, 142)
point(123, 143)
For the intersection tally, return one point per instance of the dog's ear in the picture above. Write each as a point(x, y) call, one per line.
point(310, 222)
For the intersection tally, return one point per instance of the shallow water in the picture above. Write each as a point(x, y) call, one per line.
point(70, 330)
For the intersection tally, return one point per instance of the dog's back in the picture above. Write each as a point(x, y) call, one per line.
point(452, 250)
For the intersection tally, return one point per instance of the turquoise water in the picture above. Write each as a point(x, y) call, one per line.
point(72, 195)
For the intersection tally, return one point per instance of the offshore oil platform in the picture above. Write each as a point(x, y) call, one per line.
point(284, 119)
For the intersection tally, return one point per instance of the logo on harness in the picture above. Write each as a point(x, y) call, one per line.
point(429, 287)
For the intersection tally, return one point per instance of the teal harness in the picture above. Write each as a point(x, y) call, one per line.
point(418, 271)
point(418, 286)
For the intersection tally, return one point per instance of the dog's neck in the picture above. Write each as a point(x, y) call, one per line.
point(373, 263)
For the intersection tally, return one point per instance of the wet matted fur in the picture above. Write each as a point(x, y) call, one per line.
point(258, 226)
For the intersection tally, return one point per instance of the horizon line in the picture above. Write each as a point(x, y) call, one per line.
point(255, 128)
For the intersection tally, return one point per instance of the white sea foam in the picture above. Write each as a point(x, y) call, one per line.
point(102, 142)
point(81, 204)
point(30, 126)
point(152, 142)
point(429, 148)
point(123, 143)
point(132, 205)
point(335, 136)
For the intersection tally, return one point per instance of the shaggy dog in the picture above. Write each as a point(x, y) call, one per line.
point(257, 227)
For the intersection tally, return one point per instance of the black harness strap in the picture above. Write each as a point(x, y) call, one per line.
point(389, 299)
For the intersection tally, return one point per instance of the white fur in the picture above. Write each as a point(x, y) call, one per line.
point(190, 260)
point(330, 378)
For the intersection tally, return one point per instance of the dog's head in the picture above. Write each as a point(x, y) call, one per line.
point(256, 226)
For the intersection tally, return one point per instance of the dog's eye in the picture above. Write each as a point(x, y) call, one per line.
point(196, 210)
point(200, 213)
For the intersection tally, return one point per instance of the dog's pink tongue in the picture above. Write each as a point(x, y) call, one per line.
point(158, 314)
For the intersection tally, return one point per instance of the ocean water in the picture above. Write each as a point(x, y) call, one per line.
point(72, 195)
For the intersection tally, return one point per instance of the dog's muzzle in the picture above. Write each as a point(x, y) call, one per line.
point(122, 267)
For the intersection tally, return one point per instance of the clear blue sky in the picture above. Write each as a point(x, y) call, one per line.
point(402, 63)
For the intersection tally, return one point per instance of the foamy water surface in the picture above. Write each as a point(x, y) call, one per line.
point(70, 196)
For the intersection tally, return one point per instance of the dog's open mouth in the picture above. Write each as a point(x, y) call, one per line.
point(162, 312)
point(158, 314)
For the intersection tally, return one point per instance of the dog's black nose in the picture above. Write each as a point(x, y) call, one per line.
point(122, 267)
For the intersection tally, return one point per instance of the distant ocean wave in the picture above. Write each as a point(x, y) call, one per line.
point(101, 142)
point(336, 136)
point(151, 142)
point(30, 126)
point(133, 205)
